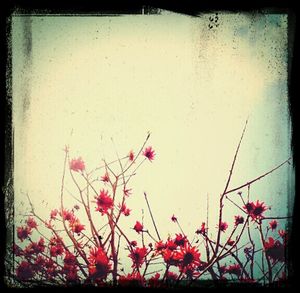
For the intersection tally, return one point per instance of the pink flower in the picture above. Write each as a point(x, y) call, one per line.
point(223, 226)
point(202, 230)
point(23, 232)
point(53, 214)
point(149, 153)
point(138, 227)
point(131, 156)
point(76, 226)
point(31, 223)
point(238, 220)
point(67, 215)
point(104, 202)
point(77, 165)
point(127, 192)
point(124, 210)
point(56, 250)
point(273, 225)
point(133, 243)
point(105, 177)
point(69, 259)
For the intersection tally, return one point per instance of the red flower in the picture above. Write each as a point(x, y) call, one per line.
point(255, 210)
point(104, 202)
point(41, 245)
point(149, 153)
point(133, 243)
point(230, 242)
point(283, 234)
point(124, 210)
point(24, 271)
point(138, 227)
point(23, 232)
point(131, 156)
point(39, 263)
point(171, 245)
point(223, 226)
point(249, 207)
point(99, 263)
point(189, 256)
point(77, 165)
point(273, 225)
point(69, 259)
point(75, 226)
point(274, 249)
point(238, 220)
point(67, 215)
point(71, 273)
point(31, 223)
point(55, 241)
point(259, 208)
point(105, 177)
point(159, 246)
point(133, 280)
point(170, 257)
point(138, 256)
point(180, 240)
point(56, 250)
point(174, 219)
point(127, 192)
point(53, 214)
point(35, 247)
point(202, 230)
point(234, 269)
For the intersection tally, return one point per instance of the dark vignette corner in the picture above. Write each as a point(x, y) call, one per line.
point(36, 7)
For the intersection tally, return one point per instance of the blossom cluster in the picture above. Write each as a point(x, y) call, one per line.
point(62, 250)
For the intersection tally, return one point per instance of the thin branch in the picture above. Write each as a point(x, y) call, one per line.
point(152, 218)
point(257, 178)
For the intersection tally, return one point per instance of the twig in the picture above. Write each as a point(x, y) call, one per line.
point(257, 178)
point(152, 218)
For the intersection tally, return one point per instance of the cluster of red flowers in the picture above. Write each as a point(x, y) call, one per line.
point(94, 259)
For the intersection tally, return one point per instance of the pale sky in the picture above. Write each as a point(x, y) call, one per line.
point(192, 87)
